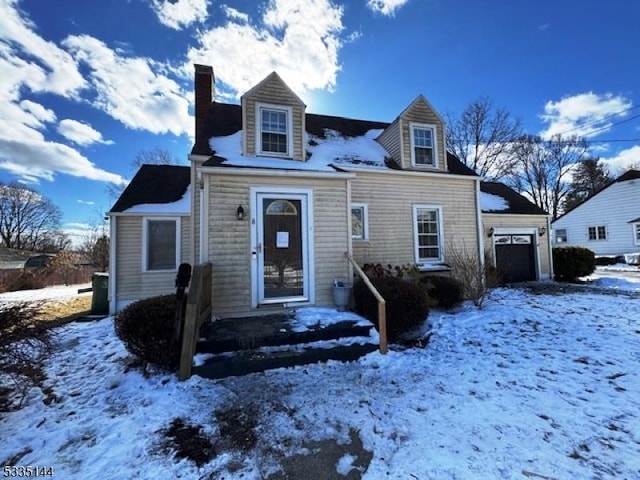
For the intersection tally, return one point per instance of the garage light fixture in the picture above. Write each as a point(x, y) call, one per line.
point(542, 231)
point(491, 232)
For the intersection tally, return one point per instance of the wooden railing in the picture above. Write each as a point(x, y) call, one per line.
point(382, 309)
point(198, 310)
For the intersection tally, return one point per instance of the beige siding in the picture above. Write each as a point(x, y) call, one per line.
point(390, 198)
point(131, 282)
point(420, 112)
point(521, 222)
point(229, 244)
point(274, 92)
point(390, 140)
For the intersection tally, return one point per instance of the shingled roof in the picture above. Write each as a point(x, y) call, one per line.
point(226, 119)
point(517, 203)
point(154, 184)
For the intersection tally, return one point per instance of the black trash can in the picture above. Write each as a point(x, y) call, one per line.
point(100, 298)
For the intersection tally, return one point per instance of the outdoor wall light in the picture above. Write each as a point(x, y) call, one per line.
point(240, 213)
point(491, 232)
point(542, 231)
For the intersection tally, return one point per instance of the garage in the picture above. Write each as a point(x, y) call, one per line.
point(515, 257)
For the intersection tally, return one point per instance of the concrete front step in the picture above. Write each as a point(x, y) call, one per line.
point(225, 336)
point(259, 360)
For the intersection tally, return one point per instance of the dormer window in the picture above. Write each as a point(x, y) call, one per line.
point(273, 124)
point(423, 145)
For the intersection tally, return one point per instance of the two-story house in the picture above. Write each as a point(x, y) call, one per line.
point(274, 197)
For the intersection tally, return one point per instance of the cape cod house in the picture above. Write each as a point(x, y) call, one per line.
point(274, 198)
point(608, 223)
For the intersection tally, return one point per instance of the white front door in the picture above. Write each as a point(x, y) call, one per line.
point(281, 229)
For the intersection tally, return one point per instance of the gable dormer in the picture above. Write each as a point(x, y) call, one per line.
point(273, 120)
point(416, 139)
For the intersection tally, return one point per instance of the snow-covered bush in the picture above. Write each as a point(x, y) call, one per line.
point(146, 328)
point(446, 292)
point(407, 304)
point(569, 263)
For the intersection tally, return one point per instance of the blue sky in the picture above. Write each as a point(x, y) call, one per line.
point(86, 85)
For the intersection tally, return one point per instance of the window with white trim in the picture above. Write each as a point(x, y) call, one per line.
point(423, 144)
point(274, 130)
point(598, 233)
point(636, 233)
point(161, 244)
point(561, 235)
point(359, 221)
point(427, 231)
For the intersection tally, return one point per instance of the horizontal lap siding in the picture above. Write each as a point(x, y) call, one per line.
point(390, 140)
point(521, 221)
point(421, 113)
point(131, 282)
point(390, 199)
point(274, 93)
point(230, 242)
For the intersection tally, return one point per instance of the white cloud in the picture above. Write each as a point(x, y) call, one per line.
point(234, 14)
point(585, 114)
point(130, 89)
point(178, 14)
point(31, 65)
point(86, 202)
point(299, 39)
point(624, 159)
point(80, 133)
point(386, 7)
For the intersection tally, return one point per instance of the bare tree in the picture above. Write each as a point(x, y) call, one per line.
point(95, 245)
point(154, 156)
point(26, 217)
point(481, 138)
point(542, 168)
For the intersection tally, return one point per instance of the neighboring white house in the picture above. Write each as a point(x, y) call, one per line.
point(607, 223)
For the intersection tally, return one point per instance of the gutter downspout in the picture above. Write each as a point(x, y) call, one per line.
point(201, 212)
point(550, 248)
point(479, 228)
point(112, 265)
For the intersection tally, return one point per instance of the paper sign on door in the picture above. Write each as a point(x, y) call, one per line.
point(282, 240)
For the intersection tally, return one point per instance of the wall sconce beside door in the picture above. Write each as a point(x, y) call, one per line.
point(240, 213)
point(491, 232)
point(542, 231)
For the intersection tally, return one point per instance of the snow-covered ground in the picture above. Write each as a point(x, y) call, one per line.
point(53, 294)
point(530, 386)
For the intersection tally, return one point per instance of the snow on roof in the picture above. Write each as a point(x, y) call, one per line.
point(493, 203)
point(335, 149)
point(179, 207)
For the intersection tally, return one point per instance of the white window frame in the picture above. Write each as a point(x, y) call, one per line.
point(365, 221)
point(277, 108)
point(434, 138)
point(636, 233)
point(557, 234)
point(145, 243)
point(598, 237)
point(416, 244)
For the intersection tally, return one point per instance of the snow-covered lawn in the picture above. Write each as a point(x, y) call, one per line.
point(49, 294)
point(530, 386)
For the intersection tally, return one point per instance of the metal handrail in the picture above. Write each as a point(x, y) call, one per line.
point(382, 309)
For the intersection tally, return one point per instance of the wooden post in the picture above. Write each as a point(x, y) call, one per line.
point(382, 327)
point(382, 308)
point(197, 311)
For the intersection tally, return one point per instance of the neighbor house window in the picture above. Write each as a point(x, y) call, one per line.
point(161, 244)
point(636, 233)
point(561, 235)
point(423, 144)
point(427, 225)
point(274, 130)
point(359, 221)
point(597, 233)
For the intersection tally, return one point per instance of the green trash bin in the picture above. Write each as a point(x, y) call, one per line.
point(100, 298)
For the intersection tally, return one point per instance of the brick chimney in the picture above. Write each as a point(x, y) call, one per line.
point(204, 92)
